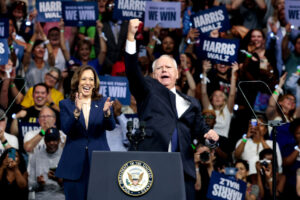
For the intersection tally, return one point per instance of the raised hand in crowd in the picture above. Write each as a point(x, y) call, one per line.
point(153, 40)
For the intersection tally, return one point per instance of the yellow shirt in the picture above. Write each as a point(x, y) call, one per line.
point(56, 96)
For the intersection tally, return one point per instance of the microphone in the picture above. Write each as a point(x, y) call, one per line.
point(142, 128)
point(129, 126)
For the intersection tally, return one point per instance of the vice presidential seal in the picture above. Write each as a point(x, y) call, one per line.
point(135, 178)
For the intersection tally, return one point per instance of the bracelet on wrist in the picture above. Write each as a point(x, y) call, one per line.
point(30, 42)
point(62, 31)
point(297, 148)
point(12, 85)
point(42, 133)
point(275, 92)
point(279, 89)
point(186, 69)
point(244, 138)
point(151, 46)
point(46, 42)
point(4, 143)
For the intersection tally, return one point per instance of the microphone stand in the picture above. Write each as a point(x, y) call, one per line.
point(138, 136)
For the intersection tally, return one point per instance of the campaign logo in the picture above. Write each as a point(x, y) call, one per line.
point(135, 178)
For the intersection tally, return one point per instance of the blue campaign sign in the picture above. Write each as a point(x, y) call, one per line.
point(4, 28)
point(222, 187)
point(292, 12)
point(48, 10)
point(218, 50)
point(116, 88)
point(3, 51)
point(208, 20)
point(80, 13)
point(166, 14)
point(129, 9)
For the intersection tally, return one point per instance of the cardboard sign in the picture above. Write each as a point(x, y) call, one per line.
point(222, 187)
point(292, 12)
point(218, 50)
point(208, 20)
point(80, 13)
point(166, 14)
point(129, 9)
point(4, 51)
point(48, 11)
point(116, 88)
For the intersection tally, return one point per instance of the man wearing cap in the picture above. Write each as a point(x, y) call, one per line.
point(171, 117)
point(7, 140)
point(35, 139)
point(42, 166)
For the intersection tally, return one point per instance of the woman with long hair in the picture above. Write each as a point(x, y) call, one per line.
point(84, 118)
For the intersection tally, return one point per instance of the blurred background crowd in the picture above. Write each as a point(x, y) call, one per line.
point(43, 57)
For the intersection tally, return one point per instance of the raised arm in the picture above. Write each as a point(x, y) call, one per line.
point(137, 83)
point(189, 77)
point(102, 43)
point(231, 98)
point(271, 109)
point(62, 41)
point(204, 96)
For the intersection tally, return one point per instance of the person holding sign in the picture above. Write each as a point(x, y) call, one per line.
point(84, 118)
point(177, 116)
point(219, 102)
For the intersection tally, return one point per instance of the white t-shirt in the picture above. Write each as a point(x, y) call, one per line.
point(12, 141)
point(30, 134)
point(251, 154)
point(222, 121)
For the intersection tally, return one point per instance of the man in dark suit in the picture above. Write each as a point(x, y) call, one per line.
point(171, 117)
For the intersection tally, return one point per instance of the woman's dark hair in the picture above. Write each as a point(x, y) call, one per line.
point(247, 39)
point(19, 5)
point(199, 5)
point(53, 29)
point(291, 113)
point(37, 43)
point(22, 163)
point(244, 162)
point(40, 84)
point(75, 82)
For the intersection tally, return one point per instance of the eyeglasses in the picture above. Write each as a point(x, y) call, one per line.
point(45, 116)
point(208, 116)
point(53, 77)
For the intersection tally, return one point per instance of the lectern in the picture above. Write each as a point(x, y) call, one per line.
point(136, 175)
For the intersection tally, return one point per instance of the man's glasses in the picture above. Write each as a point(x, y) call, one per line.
point(53, 77)
point(45, 116)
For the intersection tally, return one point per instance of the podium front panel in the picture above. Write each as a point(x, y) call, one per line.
point(168, 179)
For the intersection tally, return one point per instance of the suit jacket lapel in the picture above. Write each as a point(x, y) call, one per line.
point(93, 112)
point(187, 98)
point(173, 102)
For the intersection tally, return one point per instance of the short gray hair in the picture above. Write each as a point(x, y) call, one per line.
point(164, 55)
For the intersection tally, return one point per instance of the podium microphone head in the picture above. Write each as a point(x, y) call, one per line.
point(129, 126)
point(142, 124)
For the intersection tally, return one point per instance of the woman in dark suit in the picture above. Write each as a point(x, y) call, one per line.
point(84, 118)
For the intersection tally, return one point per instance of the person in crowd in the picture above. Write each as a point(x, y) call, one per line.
point(174, 110)
point(251, 11)
point(18, 13)
point(223, 150)
point(84, 118)
point(35, 139)
point(7, 140)
point(293, 85)
point(252, 191)
point(204, 159)
point(291, 58)
point(58, 43)
point(286, 111)
point(186, 83)
point(291, 159)
point(84, 50)
point(8, 89)
point(13, 175)
point(265, 176)
point(31, 114)
point(33, 61)
point(52, 77)
point(298, 182)
point(252, 143)
point(218, 100)
point(117, 139)
point(42, 168)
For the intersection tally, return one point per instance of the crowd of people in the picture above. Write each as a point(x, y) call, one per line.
point(49, 98)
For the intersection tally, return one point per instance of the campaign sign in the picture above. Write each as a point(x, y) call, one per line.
point(48, 10)
point(292, 12)
point(80, 13)
point(166, 14)
point(129, 9)
point(116, 88)
point(3, 51)
point(4, 28)
point(208, 20)
point(223, 187)
point(218, 50)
